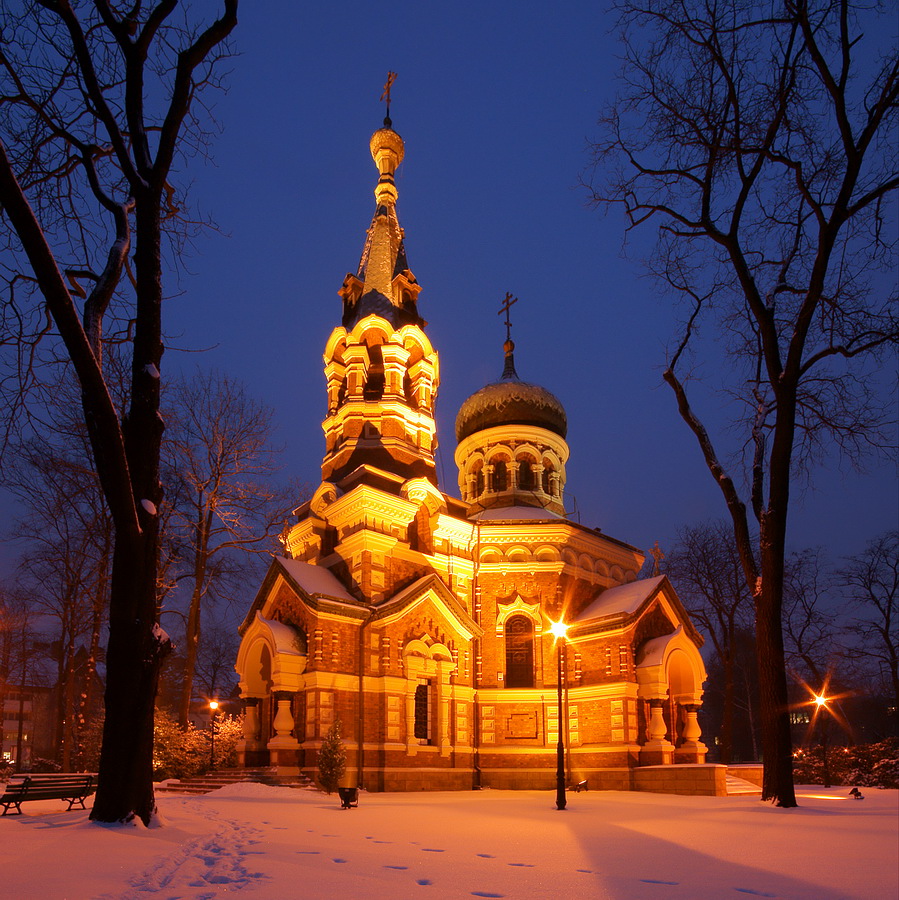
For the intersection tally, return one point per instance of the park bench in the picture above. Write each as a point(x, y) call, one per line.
point(74, 788)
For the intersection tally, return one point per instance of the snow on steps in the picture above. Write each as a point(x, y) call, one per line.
point(737, 785)
point(203, 784)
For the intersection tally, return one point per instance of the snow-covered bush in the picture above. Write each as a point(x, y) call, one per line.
point(179, 754)
point(864, 765)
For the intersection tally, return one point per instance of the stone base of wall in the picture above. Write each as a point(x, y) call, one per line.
point(695, 780)
point(421, 780)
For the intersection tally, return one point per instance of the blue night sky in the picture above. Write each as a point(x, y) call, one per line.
point(496, 102)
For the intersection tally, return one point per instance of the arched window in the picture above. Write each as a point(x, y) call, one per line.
point(519, 652)
point(547, 471)
point(374, 385)
point(500, 479)
point(526, 474)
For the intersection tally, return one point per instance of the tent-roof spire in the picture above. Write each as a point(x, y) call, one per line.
point(383, 283)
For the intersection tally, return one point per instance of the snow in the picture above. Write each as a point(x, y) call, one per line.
point(151, 370)
point(160, 634)
point(269, 843)
point(623, 598)
point(315, 580)
point(149, 506)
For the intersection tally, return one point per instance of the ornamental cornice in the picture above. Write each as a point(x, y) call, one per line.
point(506, 435)
point(459, 532)
point(364, 503)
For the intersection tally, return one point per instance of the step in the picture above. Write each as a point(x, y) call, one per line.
point(737, 786)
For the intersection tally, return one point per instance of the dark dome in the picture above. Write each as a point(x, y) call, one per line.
point(511, 402)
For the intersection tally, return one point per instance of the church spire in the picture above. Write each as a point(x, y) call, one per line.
point(383, 283)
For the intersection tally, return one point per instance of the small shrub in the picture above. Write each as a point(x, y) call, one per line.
point(331, 759)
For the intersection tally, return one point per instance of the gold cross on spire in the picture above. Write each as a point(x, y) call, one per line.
point(391, 77)
point(506, 305)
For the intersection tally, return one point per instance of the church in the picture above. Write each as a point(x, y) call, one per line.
point(422, 622)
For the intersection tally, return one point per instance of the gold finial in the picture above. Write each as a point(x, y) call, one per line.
point(391, 77)
point(506, 305)
point(657, 556)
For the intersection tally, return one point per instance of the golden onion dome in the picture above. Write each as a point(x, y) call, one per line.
point(511, 401)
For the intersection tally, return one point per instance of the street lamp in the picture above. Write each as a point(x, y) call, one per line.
point(821, 704)
point(559, 630)
point(213, 706)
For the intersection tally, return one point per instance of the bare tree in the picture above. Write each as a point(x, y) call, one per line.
point(872, 582)
point(706, 567)
point(66, 564)
point(224, 502)
point(810, 626)
point(760, 141)
point(96, 104)
point(23, 658)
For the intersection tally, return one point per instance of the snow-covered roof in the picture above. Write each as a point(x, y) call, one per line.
point(515, 512)
point(315, 580)
point(284, 636)
point(624, 598)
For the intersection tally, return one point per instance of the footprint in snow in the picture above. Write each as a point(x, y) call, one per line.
point(755, 893)
point(432, 850)
point(523, 865)
point(396, 867)
point(338, 860)
point(655, 881)
point(424, 881)
point(486, 856)
point(586, 871)
point(485, 894)
point(310, 852)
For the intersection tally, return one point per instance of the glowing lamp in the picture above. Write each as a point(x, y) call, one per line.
point(559, 629)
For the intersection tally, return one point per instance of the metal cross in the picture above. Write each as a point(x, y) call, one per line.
point(507, 303)
point(391, 77)
point(658, 556)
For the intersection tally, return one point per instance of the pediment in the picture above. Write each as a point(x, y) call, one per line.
point(429, 588)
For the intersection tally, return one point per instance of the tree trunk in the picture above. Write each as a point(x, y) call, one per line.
point(191, 645)
point(134, 657)
point(774, 708)
point(137, 645)
point(192, 629)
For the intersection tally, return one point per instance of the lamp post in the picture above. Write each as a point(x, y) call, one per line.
point(559, 630)
point(821, 703)
point(213, 706)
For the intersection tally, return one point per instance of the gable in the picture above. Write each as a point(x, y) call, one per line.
point(428, 589)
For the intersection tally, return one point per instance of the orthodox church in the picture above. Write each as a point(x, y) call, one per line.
point(421, 622)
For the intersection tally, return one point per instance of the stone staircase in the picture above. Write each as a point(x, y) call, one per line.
point(203, 784)
point(736, 785)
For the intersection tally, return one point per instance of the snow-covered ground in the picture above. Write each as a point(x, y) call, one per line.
point(256, 842)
